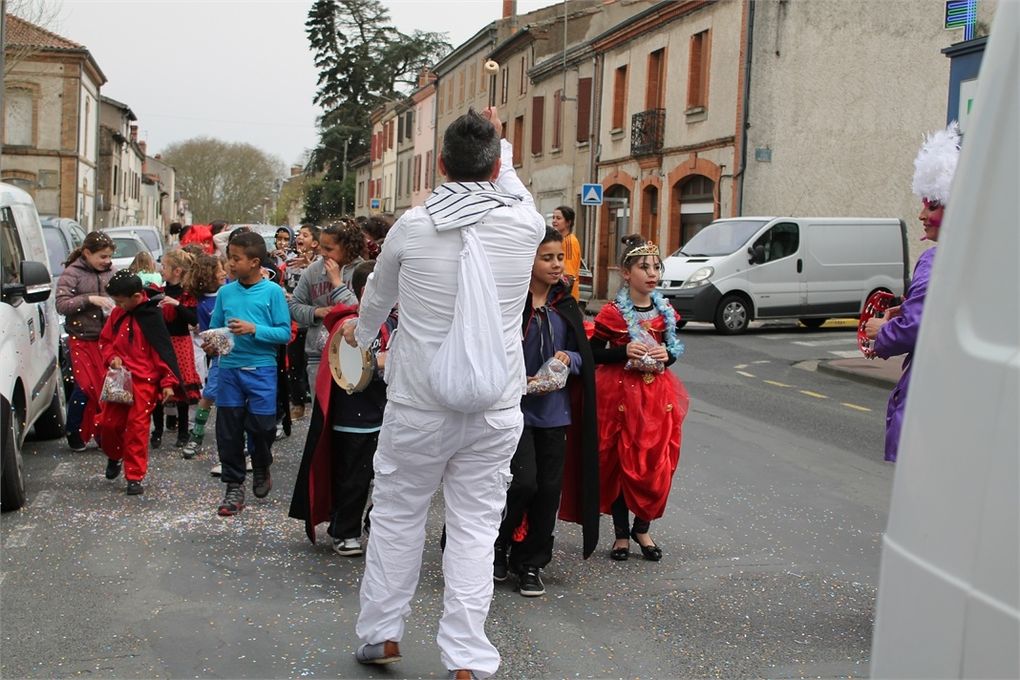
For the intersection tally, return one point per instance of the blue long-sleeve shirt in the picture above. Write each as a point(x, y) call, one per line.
point(262, 304)
point(205, 310)
point(546, 334)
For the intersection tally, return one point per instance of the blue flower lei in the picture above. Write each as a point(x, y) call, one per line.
point(626, 307)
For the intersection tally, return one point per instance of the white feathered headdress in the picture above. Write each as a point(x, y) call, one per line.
point(936, 163)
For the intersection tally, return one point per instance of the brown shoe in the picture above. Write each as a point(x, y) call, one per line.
point(379, 653)
point(297, 412)
point(462, 674)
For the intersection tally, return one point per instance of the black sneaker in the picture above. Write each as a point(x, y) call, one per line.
point(134, 487)
point(182, 441)
point(499, 563)
point(156, 440)
point(112, 468)
point(531, 583)
point(261, 482)
point(233, 501)
point(75, 443)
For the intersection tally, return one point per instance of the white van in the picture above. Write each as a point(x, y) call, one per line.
point(30, 382)
point(809, 268)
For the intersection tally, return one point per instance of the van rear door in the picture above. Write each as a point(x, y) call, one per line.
point(777, 284)
point(846, 260)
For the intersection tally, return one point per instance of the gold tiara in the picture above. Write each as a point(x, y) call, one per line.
point(643, 250)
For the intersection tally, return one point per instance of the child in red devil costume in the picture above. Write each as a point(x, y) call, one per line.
point(134, 337)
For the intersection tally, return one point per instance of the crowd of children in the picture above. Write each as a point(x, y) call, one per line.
point(603, 415)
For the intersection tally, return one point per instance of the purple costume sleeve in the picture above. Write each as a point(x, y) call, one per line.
point(899, 336)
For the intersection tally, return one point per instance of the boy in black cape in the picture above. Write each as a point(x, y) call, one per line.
point(556, 462)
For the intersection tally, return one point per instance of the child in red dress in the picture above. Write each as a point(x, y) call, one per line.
point(641, 403)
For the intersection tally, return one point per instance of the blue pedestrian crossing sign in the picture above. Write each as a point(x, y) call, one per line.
point(591, 194)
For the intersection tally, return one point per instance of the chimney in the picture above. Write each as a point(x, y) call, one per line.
point(295, 170)
point(509, 8)
point(134, 133)
point(424, 77)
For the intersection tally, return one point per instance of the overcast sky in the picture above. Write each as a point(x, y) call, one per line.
point(230, 69)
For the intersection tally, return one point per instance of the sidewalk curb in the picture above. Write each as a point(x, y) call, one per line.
point(849, 374)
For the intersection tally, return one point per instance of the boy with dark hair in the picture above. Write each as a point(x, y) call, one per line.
point(254, 309)
point(135, 338)
point(336, 467)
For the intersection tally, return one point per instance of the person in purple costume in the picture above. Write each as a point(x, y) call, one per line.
point(896, 332)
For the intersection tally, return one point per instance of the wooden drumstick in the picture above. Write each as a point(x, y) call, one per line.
point(492, 68)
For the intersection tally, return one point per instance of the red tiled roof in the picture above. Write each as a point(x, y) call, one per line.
point(21, 33)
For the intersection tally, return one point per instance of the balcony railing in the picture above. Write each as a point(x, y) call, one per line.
point(646, 130)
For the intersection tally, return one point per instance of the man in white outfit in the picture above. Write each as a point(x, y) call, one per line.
point(424, 442)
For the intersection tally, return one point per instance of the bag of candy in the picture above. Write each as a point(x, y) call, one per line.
point(221, 339)
point(550, 377)
point(645, 364)
point(117, 387)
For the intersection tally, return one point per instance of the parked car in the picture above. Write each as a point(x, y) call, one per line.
point(266, 231)
point(152, 237)
point(30, 394)
point(62, 235)
point(809, 268)
point(125, 247)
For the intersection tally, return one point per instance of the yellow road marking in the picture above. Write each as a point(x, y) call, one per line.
point(856, 407)
point(746, 374)
point(777, 384)
point(813, 394)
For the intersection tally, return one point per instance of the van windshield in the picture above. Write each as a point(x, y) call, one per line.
point(720, 238)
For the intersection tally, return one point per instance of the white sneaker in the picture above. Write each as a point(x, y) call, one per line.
point(247, 466)
point(216, 470)
point(348, 547)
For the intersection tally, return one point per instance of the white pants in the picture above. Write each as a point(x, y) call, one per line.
point(470, 455)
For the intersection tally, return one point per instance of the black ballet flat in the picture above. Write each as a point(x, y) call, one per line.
point(620, 554)
point(652, 553)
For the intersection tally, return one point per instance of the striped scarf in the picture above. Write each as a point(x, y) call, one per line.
point(453, 205)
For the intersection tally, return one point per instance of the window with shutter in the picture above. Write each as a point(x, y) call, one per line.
point(697, 75)
point(619, 97)
point(656, 80)
point(460, 89)
point(583, 109)
point(557, 119)
point(505, 86)
point(524, 75)
point(518, 140)
point(537, 119)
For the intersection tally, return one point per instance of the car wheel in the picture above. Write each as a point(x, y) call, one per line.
point(12, 483)
point(51, 424)
point(813, 323)
point(733, 315)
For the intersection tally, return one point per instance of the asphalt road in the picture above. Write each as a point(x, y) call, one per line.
point(771, 552)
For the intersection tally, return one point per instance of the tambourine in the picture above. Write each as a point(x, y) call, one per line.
point(875, 305)
point(352, 367)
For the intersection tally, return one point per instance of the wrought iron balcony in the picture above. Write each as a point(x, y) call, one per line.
point(646, 131)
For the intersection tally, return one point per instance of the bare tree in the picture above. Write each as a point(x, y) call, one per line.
point(222, 180)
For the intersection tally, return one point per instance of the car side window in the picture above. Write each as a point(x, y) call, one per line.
point(780, 241)
point(77, 236)
point(10, 249)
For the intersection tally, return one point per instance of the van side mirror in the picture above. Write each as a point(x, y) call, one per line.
point(35, 281)
point(757, 254)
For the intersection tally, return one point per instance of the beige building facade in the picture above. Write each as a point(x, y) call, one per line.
point(51, 121)
point(836, 116)
point(424, 137)
point(119, 166)
point(668, 85)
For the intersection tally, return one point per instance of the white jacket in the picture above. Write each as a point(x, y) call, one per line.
point(417, 268)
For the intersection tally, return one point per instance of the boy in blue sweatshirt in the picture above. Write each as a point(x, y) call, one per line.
point(255, 311)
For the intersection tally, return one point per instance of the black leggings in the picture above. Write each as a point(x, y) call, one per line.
point(182, 419)
point(621, 520)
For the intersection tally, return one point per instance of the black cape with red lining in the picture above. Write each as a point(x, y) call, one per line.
point(312, 500)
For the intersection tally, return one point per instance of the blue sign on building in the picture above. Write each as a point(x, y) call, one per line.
point(591, 194)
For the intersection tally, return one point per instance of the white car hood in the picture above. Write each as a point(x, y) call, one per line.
point(678, 268)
